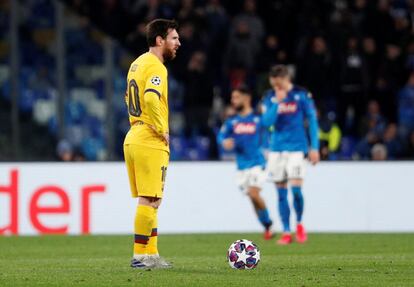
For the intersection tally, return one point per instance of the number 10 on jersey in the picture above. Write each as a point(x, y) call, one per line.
point(134, 107)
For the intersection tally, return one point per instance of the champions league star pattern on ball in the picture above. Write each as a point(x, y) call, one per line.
point(243, 254)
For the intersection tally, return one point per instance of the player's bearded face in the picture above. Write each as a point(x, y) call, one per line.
point(237, 101)
point(171, 45)
point(239, 107)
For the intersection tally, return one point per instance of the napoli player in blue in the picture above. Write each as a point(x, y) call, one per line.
point(242, 133)
point(285, 108)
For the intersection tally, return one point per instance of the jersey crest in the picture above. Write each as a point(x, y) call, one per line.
point(156, 80)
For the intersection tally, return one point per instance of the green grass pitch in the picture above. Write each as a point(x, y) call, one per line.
point(199, 260)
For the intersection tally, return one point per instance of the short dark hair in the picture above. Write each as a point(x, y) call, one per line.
point(244, 90)
point(279, 71)
point(159, 27)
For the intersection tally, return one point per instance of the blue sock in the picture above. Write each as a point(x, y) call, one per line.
point(284, 209)
point(298, 202)
point(264, 218)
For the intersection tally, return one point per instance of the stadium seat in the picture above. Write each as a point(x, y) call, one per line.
point(177, 123)
point(94, 126)
point(178, 146)
point(89, 74)
point(43, 111)
point(82, 95)
point(97, 108)
point(93, 149)
point(53, 126)
point(74, 134)
point(74, 112)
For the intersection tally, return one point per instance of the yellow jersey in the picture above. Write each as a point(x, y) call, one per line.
point(147, 102)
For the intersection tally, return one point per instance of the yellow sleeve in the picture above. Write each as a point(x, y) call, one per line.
point(154, 86)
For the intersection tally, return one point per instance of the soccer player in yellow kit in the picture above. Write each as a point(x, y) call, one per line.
point(146, 146)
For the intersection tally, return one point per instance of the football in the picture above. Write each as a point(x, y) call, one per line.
point(243, 254)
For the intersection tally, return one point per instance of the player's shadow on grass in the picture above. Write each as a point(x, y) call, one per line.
point(200, 271)
point(224, 270)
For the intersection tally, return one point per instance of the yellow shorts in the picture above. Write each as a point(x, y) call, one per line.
point(147, 169)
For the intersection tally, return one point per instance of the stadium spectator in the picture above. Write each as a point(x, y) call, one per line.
point(372, 128)
point(390, 78)
point(345, 52)
point(373, 121)
point(392, 142)
point(409, 61)
point(271, 54)
point(359, 15)
point(364, 146)
point(401, 33)
point(137, 39)
point(252, 20)
point(217, 20)
point(190, 43)
point(155, 9)
point(217, 25)
point(371, 60)
point(409, 151)
point(382, 22)
point(314, 70)
point(189, 12)
point(244, 43)
point(329, 136)
point(110, 9)
point(198, 95)
point(379, 152)
point(243, 47)
point(65, 151)
point(406, 106)
point(353, 81)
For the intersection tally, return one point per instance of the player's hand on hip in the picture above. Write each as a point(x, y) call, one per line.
point(314, 156)
point(166, 138)
point(228, 144)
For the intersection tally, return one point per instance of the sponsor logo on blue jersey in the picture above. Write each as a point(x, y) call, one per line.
point(247, 134)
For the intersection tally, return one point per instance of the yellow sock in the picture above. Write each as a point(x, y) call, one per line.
point(144, 219)
point(152, 247)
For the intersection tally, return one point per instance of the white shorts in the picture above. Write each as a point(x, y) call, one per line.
point(251, 177)
point(282, 166)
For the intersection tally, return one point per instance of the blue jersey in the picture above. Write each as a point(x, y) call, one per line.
point(247, 134)
point(287, 118)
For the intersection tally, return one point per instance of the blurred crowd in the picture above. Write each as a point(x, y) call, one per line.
point(355, 56)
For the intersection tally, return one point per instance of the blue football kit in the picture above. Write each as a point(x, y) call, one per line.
point(292, 120)
point(247, 133)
